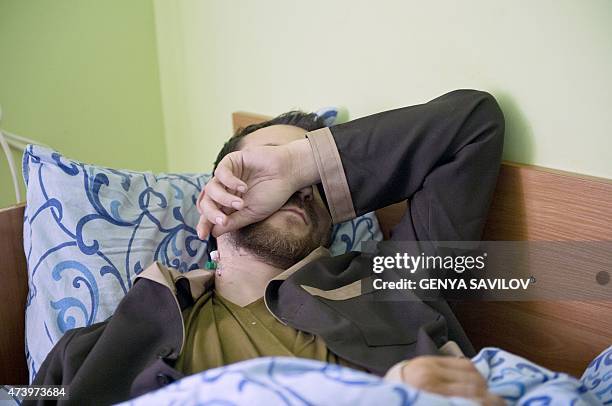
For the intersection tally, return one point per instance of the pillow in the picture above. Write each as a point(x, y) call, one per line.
point(89, 230)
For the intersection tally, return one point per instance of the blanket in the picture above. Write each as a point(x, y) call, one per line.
point(295, 381)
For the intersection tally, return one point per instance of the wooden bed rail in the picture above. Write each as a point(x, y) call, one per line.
point(13, 292)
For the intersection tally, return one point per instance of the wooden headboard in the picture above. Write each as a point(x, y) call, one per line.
point(13, 292)
point(530, 203)
point(533, 203)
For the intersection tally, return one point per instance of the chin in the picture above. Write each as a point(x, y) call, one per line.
point(276, 240)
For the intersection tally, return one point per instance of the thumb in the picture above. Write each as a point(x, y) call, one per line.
point(234, 221)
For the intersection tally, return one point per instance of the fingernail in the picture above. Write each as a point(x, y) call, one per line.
point(236, 204)
point(219, 220)
point(242, 189)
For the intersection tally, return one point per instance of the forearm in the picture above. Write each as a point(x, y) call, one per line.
point(390, 156)
point(444, 155)
point(305, 167)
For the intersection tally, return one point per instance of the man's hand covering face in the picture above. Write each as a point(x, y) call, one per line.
point(251, 184)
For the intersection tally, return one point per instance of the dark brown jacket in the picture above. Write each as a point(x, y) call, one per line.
point(443, 156)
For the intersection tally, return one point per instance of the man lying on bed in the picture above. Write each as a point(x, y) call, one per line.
point(277, 188)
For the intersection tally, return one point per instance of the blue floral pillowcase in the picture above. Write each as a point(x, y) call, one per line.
point(89, 230)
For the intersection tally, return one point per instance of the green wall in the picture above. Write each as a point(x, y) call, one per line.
point(82, 76)
point(151, 84)
point(548, 62)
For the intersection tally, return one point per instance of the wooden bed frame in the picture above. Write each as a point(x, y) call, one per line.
point(530, 203)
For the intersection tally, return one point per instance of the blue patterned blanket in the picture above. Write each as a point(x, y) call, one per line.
point(294, 381)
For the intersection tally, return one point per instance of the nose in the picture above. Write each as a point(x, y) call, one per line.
point(305, 194)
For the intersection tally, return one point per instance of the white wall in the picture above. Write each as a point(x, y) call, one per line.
point(549, 63)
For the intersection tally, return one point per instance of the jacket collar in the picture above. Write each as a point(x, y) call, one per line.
point(316, 254)
point(200, 280)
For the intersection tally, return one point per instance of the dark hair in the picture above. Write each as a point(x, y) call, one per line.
point(307, 121)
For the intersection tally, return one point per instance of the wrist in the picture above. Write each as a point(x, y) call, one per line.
point(304, 171)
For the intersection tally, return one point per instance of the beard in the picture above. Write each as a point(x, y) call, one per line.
point(281, 248)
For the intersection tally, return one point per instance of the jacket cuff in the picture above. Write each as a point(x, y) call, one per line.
point(333, 178)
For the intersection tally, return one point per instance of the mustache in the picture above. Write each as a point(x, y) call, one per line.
point(306, 205)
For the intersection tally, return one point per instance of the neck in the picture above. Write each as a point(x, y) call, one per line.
point(242, 277)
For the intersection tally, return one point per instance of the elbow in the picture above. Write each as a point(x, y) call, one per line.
point(497, 123)
point(485, 105)
point(493, 112)
point(482, 120)
point(489, 116)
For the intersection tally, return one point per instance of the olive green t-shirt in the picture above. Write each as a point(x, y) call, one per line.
point(219, 332)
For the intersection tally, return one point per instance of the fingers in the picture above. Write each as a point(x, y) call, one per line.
point(459, 370)
point(204, 228)
point(226, 172)
point(221, 197)
point(208, 211)
point(460, 389)
point(214, 203)
point(200, 197)
point(210, 215)
point(234, 221)
point(463, 364)
point(460, 376)
point(448, 376)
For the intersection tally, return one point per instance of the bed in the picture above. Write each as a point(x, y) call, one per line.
point(530, 203)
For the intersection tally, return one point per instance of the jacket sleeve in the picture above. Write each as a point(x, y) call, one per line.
point(443, 156)
point(51, 370)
